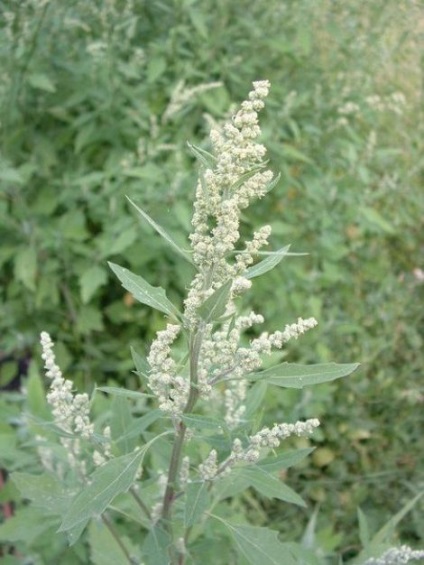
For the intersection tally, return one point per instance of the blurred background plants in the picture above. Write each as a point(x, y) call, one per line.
point(98, 100)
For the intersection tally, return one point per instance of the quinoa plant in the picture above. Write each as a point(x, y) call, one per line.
point(155, 477)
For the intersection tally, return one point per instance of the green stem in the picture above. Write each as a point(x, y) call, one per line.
point(174, 465)
point(144, 508)
point(116, 537)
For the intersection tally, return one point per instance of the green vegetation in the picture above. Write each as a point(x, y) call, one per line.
point(98, 100)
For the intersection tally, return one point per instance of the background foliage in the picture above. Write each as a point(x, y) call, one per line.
point(98, 100)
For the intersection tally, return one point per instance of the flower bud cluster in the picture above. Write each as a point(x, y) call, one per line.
point(170, 388)
point(269, 438)
point(221, 194)
point(209, 468)
point(396, 556)
point(260, 239)
point(71, 412)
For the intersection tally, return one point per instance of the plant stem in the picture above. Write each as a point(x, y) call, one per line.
point(140, 503)
point(116, 537)
point(174, 465)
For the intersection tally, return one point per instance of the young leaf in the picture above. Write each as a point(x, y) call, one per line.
point(214, 306)
point(259, 545)
point(294, 375)
point(267, 264)
point(142, 291)
point(269, 485)
point(162, 232)
point(197, 501)
point(206, 159)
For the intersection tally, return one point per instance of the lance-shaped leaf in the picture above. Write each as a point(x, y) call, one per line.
point(117, 391)
point(214, 306)
point(269, 485)
point(200, 422)
point(259, 545)
point(155, 546)
point(142, 367)
point(294, 375)
point(162, 232)
point(285, 460)
point(197, 501)
point(204, 157)
point(113, 478)
point(142, 291)
point(267, 264)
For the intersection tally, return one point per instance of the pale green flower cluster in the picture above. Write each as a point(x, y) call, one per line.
point(235, 178)
point(71, 413)
point(267, 438)
point(396, 556)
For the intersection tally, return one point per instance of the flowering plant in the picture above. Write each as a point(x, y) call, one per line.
point(155, 485)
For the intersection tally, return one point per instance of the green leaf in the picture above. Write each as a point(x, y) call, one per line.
point(162, 232)
point(44, 491)
point(200, 422)
point(142, 424)
point(90, 280)
point(294, 375)
point(294, 154)
point(117, 391)
point(104, 549)
point(120, 423)
point(89, 320)
point(285, 460)
point(141, 365)
point(8, 371)
point(305, 556)
point(259, 545)
point(267, 264)
point(142, 291)
point(376, 219)
point(206, 159)
point(387, 531)
point(197, 501)
point(269, 485)
point(114, 477)
point(385, 535)
point(26, 267)
point(364, 530)
point(309, 535)
point(123, 241)
point(214, 306)
point(36, 394)
point(155, 547)
point(28, 524)
point(41, 82)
